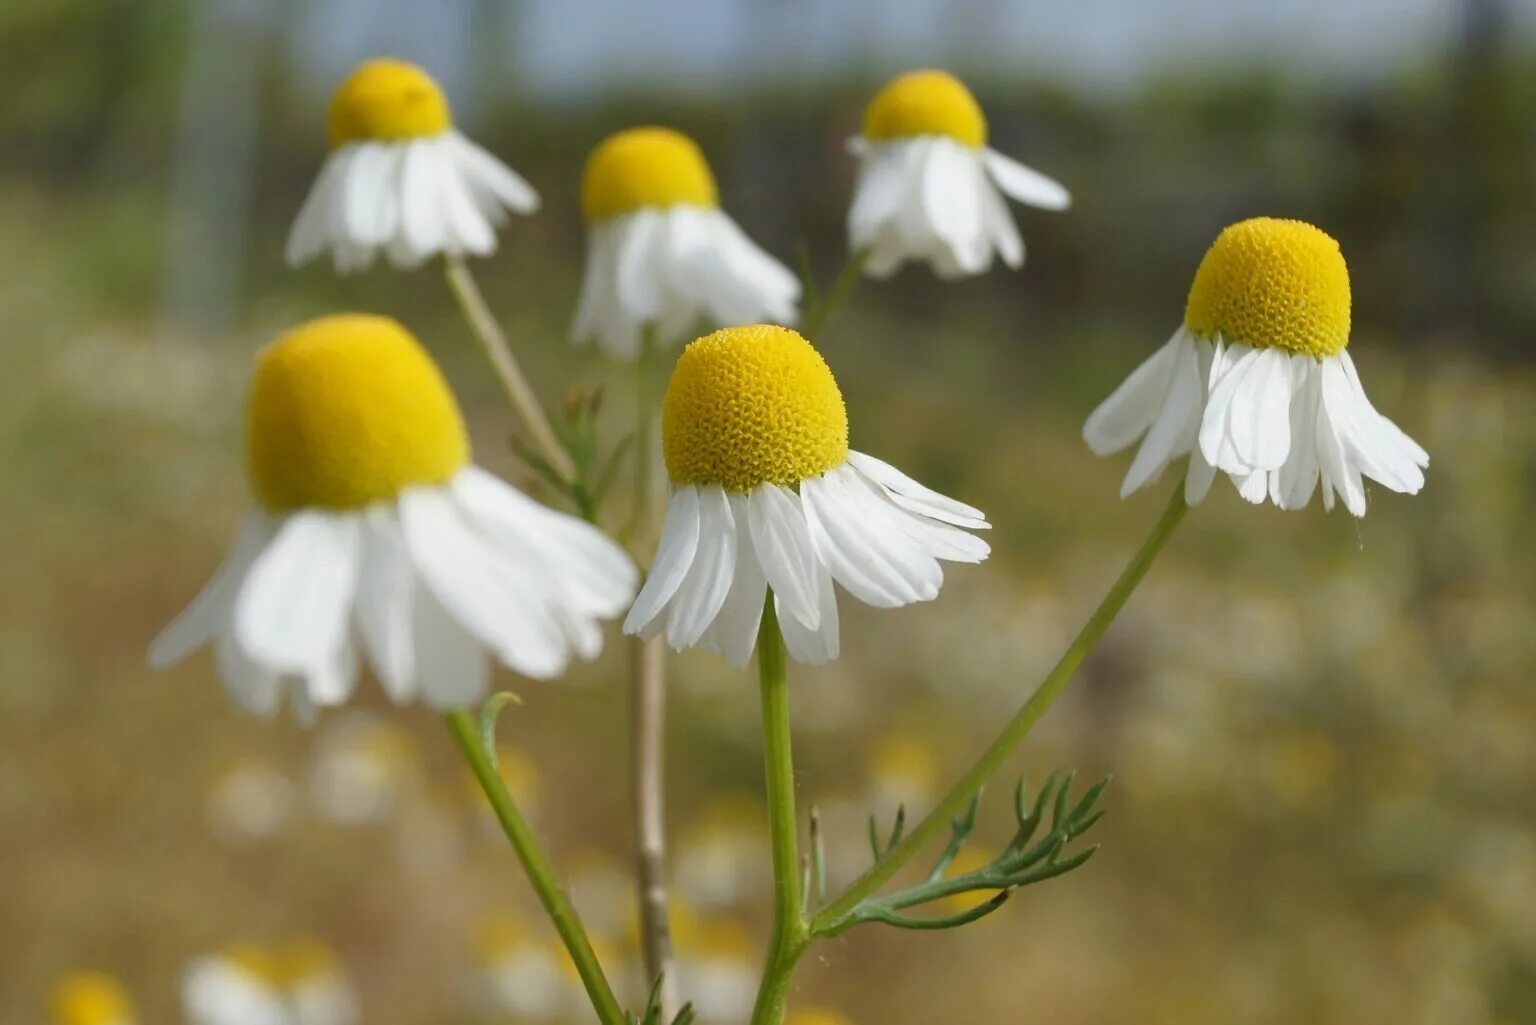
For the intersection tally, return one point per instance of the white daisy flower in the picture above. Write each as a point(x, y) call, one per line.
point(660, 250)
point(767, 494)
point(518, 973)
point(375, 534)
point(929, 187)
point(234, 987)
point(315, 985)
point(401, 179)
point(1257, 383)
point(90, 998)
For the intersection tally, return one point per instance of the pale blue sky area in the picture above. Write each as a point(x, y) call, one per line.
point(566, 50)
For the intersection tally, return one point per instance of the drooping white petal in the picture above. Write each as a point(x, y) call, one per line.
point(595, 574)
point(914, 496)
point(639, 242)
point(210, 612)
point(1173, 427)
point(866, 550)
point(292, 610)
point(369, 211)
point(1025, 184)
point(1292, 485)
point(480, 584)
point(1260, 424)
point(307, 238)
point(746, 284)
point(952, 200)
point(385, 598)
point(1130, 409)
point(1337, 472)
point(422, 230)
point(1228, 374)
point(486, 172)
point(1001, 228)
point(733, 634)
point(674, 556)
point(254, 687)
point(466, 228)
point(817, 646)
point(451, 667)
point(783, 548)
point(1385, 453)
point(703, 591)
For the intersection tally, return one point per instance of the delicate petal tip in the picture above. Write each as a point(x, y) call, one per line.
point(1025, 184)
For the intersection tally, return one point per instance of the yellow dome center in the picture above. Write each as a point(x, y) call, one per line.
point(645, 167)
point(749, 406)
point(926, 103)
point(349, 410)
point(387, 100)
point(90, 998)
point(1269, 283)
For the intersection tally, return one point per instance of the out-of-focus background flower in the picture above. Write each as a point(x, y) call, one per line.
point(1323, 732)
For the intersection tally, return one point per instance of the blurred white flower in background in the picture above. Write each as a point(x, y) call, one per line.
point(364, 767)
point(930, 189)
point(251, 800)
point(902, 773)
point(722, 858)
point(401, 178)
point(299, 982)
point(718, 966)
point(660, 250)
point(518, 971)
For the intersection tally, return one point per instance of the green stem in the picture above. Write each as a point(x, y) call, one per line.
point(789, 927)
point(1014, 732)
point(821, 310)
point(554, 899)
point(499, 351)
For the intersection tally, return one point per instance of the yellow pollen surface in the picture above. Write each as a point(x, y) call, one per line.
point(387, 100)
point(641, 167)
point(749, 406)
point(349, 410)
point(90, 998)
point(927, 102)
point(1270, 283)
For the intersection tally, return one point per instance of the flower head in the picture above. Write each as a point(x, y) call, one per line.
point(1258, 382)
point(375, 532)
point(929, 187)
point(387, 100)
point(401, 179)
point(90, 998)
point(767, 494)
point(640, 167)
point(926, 102)
point(661, 254)
point(1272, 284)
point(749, 406)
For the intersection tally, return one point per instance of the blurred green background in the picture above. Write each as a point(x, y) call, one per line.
point(1322, 732)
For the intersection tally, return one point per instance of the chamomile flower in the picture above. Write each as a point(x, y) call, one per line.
point(660, 250)
point(929, 187)
point(90, 998)
point(401, 179)
point(373, 532)
point(767, 493)
point(314, 983)
point(518, 972)
point(1257, 382)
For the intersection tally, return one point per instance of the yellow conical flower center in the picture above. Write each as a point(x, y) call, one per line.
point(749, 406)
point(1270, 283)
point(926, 103)
point(388, 100)
point(645, 167)
point(349, 410)
point(90, 998)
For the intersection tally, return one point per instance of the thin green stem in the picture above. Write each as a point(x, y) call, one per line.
point(554, 899)
point(789, 927)
point(821, 309)
point(513, 381)
point(828, 919)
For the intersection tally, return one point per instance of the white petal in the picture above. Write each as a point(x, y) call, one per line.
point(307, 237)
point(867, 552)
point(255, 688)
point(674, 555)
point(746, 284)
point(210, 612)
point(595, 573)
point(819, 646)
point(385, 590)
point(292, 611)
point(1173, 426)
point(1228, 374)
point(639, 238)
point(369, 208)
point(916, 497)
point(1338, 474)
point(1260, 427)
point(421, 224)
point(952, 200)
point(452, 669)
point(733, 634)
point(877, 196)
point(488, 172)
point(1294, 483)
point(1130, 409)
point(490, 595)
point(1001, 227)
point(1025, 184)
point(704, 589)
point(782, 543)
